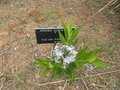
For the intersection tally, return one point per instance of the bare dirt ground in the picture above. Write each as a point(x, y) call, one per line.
point(18, 47)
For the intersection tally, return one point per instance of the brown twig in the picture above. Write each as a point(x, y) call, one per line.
point(84, 83)
point(99, 85)
point(2, 62)
point(113, 10)
point(2, 85)
point(78, 78)
point(64, 85)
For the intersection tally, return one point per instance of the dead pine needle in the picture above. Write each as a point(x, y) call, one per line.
point(84, 84)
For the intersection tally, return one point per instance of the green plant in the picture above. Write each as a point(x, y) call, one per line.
point(66, 60)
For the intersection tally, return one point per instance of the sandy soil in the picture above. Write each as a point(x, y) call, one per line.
point(18, 47)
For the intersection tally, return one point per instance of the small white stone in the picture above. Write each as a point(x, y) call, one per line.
point(36, 54)
point(28, 35)
point(60, 87)
point(77, 87)
point(12, 5)
point(15, 48)
point(48, 57)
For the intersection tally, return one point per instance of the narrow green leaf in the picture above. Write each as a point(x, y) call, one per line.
point(69, 26)
point(93, 53)
point(73, 79)
point(51, 65)
point(78, 64)
point(65, 30)
point(90, 60)
point(75, 42)
point(45, 72)
point(55, 72)
point(99, 64)
point(62, 38)
point(74, 34)
point(71, 66)
point(58, 64)
point(90, 56)
point(82, 53)
point(43, 63)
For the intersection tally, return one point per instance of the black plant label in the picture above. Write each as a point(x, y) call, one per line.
point(44, 35)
